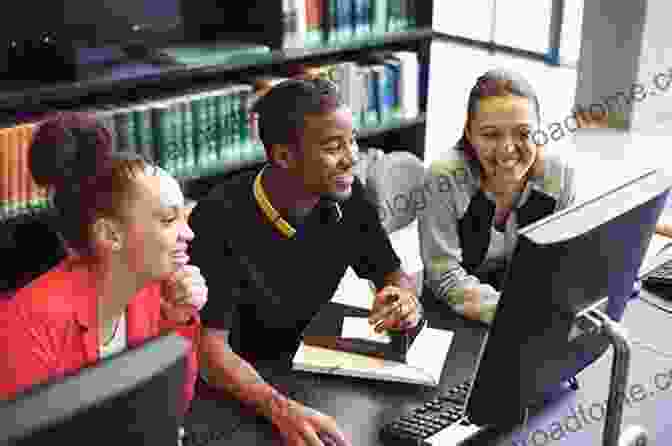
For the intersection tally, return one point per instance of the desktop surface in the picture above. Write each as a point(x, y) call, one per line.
point(360, 406)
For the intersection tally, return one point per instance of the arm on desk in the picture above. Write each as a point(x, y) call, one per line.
point(298, 424)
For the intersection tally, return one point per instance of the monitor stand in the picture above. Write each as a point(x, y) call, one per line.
point(597, 323)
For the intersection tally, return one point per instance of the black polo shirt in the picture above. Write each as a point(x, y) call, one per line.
point(264, 287)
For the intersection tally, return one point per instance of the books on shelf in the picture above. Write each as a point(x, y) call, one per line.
point(204, 132)
point(318, 23)
point(378, 94)
point(18, 191)
point(195, 134)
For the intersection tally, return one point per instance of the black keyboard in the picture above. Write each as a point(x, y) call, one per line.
point(660, 276)
point(429, 419)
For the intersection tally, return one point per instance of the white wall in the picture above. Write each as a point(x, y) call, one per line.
point(655, 57)
point(453, 71)
point(610, 48)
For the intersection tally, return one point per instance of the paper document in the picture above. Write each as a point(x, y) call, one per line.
point(406, 244)
point(658, 243)
point(354, 291)
point(359, 328)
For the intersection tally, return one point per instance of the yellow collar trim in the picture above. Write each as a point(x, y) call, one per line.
point(267, 208)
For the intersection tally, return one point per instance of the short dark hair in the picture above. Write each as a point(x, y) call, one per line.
point(282, 110)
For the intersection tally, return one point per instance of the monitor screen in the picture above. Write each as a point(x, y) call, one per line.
point(563, 264)
point(134, 398)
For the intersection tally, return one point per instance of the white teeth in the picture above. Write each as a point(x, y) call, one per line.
point(508, 164)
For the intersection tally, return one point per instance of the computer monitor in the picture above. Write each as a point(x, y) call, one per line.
point(132, 399)
point(565, 264)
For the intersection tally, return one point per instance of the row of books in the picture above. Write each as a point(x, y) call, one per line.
point(18, 191)
point(190, 135)
point(202, 133)
point(381, 91)
point(316, 23)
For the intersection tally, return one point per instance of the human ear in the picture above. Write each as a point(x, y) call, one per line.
point(467, 131)
point(108, 233)
point(282, 155)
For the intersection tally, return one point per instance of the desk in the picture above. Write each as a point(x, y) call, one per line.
point(361, 406)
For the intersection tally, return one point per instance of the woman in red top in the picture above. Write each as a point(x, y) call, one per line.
point(126, 278)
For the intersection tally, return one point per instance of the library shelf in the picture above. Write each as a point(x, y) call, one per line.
point(126, 79)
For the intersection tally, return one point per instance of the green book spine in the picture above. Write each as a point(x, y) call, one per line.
point(211, 132)
point(187, 163)
point(180, 110)
point(160, 138)
point(243, 115)
point(198, 111)
point(237, 120)
point(394, 22)
point(379, 13)
point(332, 21)
point(143, 132)
point(164, 148)
point(219, 125)
point(223, 141)
point(176, 148)
point(233, 153)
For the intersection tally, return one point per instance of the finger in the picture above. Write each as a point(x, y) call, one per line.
point(291, 435)
point(472, 310)
point(400, 320)
point(386, 304)
point(191, 282)
point(178, 275)
point(383, 313)
point(309, 434)
point(385, 295)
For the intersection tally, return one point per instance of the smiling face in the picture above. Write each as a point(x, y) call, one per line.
point(329, 152)
point(500, 131)
point(155, 230)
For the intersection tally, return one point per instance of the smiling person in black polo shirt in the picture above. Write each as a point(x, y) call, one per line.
point(274, 244)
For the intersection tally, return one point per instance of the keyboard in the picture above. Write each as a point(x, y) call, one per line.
point(660, 276)
point(441, 420)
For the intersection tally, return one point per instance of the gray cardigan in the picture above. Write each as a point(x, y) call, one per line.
point(459, 243)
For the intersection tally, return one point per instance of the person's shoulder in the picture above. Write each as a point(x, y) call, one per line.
point(234, 193)
point(234, 188)
point(450, 164)
point(46, 299)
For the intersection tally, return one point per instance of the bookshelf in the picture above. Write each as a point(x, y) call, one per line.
point(141, 81)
